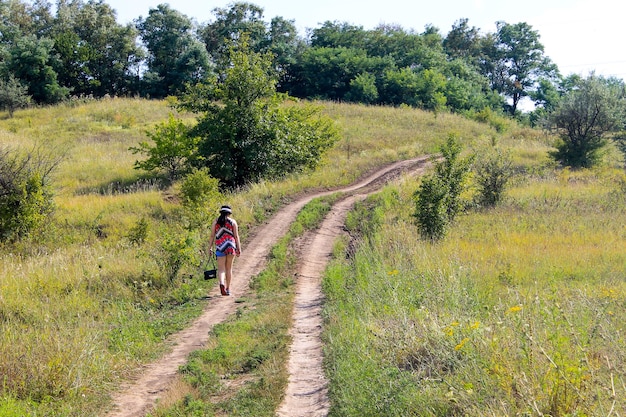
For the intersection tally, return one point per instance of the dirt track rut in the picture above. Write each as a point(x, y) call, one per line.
point(306, 392)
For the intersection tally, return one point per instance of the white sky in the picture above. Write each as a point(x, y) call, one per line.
point(580, 36)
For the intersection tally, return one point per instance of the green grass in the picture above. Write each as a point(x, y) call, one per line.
point(100, 303)
point(82, 306)
point(519, 311)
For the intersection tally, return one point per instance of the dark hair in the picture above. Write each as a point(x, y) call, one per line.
point(224, 212)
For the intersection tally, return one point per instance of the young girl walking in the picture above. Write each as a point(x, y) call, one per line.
point(225, 237)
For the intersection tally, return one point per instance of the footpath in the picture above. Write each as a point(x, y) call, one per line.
point(306, 393)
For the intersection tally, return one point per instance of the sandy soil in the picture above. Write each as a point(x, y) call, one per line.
point(306, 393)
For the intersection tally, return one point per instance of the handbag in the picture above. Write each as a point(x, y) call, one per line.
point(211, 273)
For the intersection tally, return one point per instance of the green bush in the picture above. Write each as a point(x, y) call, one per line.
point(200, 196)
point(173, 149)
point(437, 201)
point(431, 210)
point(25, 199)
point(492, 173)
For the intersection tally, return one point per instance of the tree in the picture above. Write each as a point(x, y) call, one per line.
point(97, 56)
point(463, 42)
point(363, 89)
point(327, 73)
point(176, 58)
point(31, 60)
point(584, 117)
point(246, 131)
point(515, 61)
point(229, 26)
point(431, 87)
point(13, 95)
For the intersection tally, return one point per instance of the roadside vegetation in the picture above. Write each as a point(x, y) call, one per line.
point(517, 311)
point(491, 285)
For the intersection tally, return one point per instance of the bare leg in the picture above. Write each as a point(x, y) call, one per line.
point(221, 268)
point(229, 259)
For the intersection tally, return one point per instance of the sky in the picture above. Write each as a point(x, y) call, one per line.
point(580, 36)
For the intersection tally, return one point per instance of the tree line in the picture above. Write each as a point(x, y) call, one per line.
point(78, 48)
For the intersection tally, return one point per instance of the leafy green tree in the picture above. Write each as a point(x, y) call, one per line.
point(363, 89)
point(280, 37)
point(339, 35)
point(431, 89)
point(247, 133)
point(97, 56)
point(20, 18)
point(584, 118)
point(400, 87)
point(175, 56)
point(13, 95)
point(173, 149)
point(463, 42)
point(229, 25)
point(31, 61)
point(286, 47)
point(517, 61)
point(327, 73)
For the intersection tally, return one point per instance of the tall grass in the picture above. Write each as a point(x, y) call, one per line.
point(81, 303)
point(519, 311)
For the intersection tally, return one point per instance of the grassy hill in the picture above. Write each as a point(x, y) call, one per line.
point(520, 310)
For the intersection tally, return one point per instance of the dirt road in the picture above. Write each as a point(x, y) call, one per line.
point(306, 392)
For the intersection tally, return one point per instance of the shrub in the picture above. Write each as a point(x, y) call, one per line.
point(493, 171)
point(437, 201)
point(25, 198)
point(431, 210)
point(173, 149)
point(200, 195)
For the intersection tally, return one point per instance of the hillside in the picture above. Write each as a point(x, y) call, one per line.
point(81, 306)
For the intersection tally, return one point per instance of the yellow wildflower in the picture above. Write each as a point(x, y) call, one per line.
point(514, 309)
point(461, 344)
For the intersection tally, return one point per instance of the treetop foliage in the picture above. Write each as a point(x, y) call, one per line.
point(79, 49)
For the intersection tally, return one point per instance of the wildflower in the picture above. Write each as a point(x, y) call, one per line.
point(394, 272)
point(514, 309)
point(475, 325)
point(461, 344)
point(450, 329)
